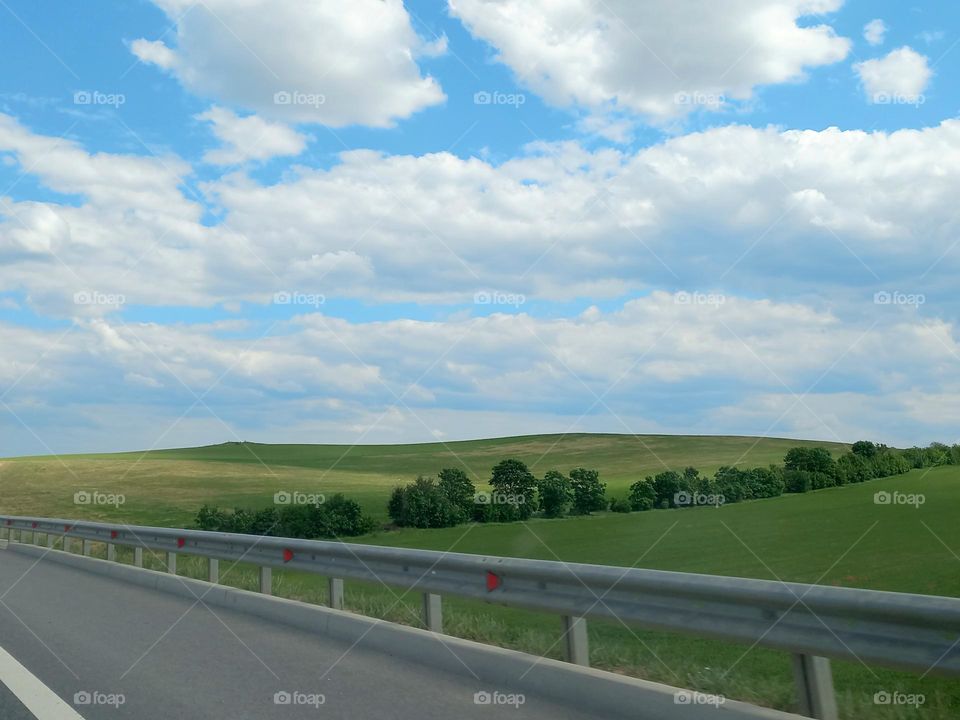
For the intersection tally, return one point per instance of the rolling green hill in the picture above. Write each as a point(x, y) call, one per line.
point(166, 487)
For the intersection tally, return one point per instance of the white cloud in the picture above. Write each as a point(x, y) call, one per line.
point(762, 211)
point(875, 31)
point(336, 62)
point(642, 56)
point(742, 366)
point(901, 76)
point(249, 138)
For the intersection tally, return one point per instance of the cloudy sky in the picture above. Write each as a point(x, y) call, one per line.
point(386, 221)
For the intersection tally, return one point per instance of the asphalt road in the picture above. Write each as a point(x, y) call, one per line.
point(112, 651)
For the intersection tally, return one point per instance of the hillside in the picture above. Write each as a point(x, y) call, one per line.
point(167, 486)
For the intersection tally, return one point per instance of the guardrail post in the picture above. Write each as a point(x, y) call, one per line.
point(87, 547)
point(213, 571)
point(111, 552)
point(266, 580)
point(577, 643)
point(815, 687)
point(172, 563)
point(335, 586)
point(432, 612)
point(138, 557)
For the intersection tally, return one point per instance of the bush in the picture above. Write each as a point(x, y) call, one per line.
point(643, 496)
point(588, 491)
point(666, 485)
point(424, 504)
point(619, 505)
point(853, 468)
point(765, 482)
point(337, 517)
point(797, 481)
point(732, 484)
point(555, 494)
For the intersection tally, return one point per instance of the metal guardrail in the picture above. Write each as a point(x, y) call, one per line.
point(918, 633)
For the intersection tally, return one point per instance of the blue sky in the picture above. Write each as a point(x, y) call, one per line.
point(377, 221)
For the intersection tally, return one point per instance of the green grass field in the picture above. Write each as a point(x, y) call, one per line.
point(832, 537)
point(166, 487)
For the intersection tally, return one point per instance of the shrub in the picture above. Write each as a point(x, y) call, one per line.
point(555, 493)
point(643, 496)
point(797, 481)
point(732, 484)
point(337, 517)
point(620, 505)
point(588, 491)
point(765, 482)
point(853, 468)
point(666, 486)
point(423, 504)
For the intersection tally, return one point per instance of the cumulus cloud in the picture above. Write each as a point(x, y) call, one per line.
point(658, 59)
point(249, 138)
point(400, 380)
point(762, 211)
point(337, 62)
point(901, 76)
point(875, 31)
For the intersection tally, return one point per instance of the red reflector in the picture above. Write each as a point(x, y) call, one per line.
point(287, 554)
point(181, 542)
point(113, 533)
point(66, 528)
point(9, 522)
point(493, 581)
point(35, 524)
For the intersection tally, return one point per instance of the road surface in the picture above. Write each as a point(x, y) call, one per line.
point(107, 650)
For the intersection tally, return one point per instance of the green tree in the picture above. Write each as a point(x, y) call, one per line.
point(458, 488)
point(589, 493)
point(643, 496)
point(555, 493)
point(514, 489)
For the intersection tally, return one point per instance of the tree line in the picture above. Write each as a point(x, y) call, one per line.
point(516, 494)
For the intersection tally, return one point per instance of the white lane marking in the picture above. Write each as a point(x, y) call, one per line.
point(43, 702)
